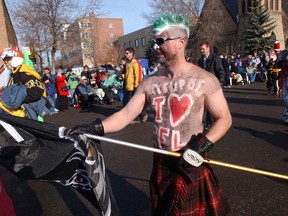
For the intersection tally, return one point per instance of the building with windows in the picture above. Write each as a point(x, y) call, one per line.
point(89, 41)
point(234, 13)
point(139, 40)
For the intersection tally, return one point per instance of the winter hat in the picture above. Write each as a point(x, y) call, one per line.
point(17, 56)
point(277, 46)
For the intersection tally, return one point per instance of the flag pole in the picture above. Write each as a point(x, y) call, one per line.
point(177, 154)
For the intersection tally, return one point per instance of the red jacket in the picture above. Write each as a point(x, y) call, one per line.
point(60, 82)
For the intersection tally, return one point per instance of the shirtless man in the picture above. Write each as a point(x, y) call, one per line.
point(176, 94)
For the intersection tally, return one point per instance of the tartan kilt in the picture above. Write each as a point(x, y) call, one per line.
point(200, 195)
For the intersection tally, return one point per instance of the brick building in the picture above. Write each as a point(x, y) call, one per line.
point(7, 34)
point(89, 40)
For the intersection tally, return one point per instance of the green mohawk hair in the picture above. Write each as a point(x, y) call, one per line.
point(170, 20)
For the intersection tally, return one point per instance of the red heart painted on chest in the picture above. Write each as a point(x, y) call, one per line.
point(179, 108)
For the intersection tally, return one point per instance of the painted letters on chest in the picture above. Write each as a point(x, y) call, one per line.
point(172, 102)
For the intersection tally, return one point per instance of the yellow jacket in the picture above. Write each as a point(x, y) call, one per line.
point(20, 112)
point(130, 77)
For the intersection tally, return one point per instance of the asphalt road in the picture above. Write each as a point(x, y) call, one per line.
point(257, 139)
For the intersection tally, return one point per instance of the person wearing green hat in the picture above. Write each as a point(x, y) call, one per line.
point(177, 95)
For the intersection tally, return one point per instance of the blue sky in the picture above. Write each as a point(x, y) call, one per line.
point(129, 10)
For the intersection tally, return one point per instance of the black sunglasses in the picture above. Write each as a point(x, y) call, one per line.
point(159, 41)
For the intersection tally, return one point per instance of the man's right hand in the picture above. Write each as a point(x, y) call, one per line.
point(94, 127)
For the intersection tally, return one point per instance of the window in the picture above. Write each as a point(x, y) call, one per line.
point(125, 45)
point(243, 7)
point(130, 44)
point(271, 5)
point(266, 4)
point(249, 5)
point(111, 25)
point(84, 24)
point(231, 47)
point(111, 35)
point(136, 43)
point(143, 41)
point(86, 45)
point(86, 55)
point(226, 47)
point(276, 5)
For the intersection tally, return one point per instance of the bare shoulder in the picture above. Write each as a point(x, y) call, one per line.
point(199, 72)
point(209, 80)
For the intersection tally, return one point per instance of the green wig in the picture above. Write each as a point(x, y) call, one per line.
point(170, 20)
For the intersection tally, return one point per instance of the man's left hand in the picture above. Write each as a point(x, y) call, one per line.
point(196, 149)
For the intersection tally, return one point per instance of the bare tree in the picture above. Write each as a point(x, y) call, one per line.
point(191, 8)
point(210, 24)
point(41, 23)
point(112, 52)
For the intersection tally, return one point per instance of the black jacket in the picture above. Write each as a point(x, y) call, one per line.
point(213, 65)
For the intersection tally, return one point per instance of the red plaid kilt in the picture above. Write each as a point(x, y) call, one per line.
point(201, 197)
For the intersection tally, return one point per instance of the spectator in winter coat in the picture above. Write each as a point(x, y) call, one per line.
point(72, 82)
point(63, 90)
point(86, 72)
point(211, 63)
point(33, 91)
point(225, 63)
point(131, 80)
point(85, 93)
point(50, 83)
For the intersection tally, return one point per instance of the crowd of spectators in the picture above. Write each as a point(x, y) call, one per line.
point(241, 70)
point(106, 87)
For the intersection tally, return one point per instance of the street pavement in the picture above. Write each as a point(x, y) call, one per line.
point(257, 139)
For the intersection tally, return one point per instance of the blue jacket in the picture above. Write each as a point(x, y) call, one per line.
point(84, 89)
point(14, 95)
point(51, 86)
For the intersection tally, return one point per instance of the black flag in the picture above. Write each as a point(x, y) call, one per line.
point(40, 151)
